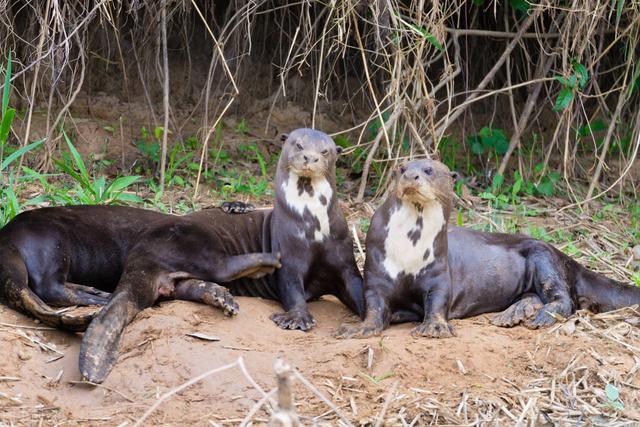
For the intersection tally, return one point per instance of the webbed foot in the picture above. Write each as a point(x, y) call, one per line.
point(433, 329)
point(294, 319)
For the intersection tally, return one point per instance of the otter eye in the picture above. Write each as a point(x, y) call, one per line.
point(324, 152)
point(428, 170)
point(403, 169)
point(299, 146)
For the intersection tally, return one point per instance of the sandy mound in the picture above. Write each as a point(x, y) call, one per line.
point(483, 373)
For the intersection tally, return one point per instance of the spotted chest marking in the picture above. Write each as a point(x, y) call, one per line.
point(302, 193)
point(411, 232)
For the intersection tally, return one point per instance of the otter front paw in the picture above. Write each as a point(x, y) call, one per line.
point(433, 329)
point(294, 319)
point(357, 331)
point(237, 207)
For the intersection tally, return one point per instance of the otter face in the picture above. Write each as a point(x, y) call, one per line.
point(309, 153)
point(424, 180)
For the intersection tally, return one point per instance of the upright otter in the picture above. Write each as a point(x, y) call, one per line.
point(419, 270)
point(310, 231)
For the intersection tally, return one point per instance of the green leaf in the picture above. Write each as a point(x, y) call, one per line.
point(99, 188)
point(5, 125)
point(476, 147)
point(564, 99)
point(516, 186)
point(554, 176)
point(77, 158)
point(573, 80)
point(582, 72)
point(7, 86)
point(434, 41)
point(562, 80)
point(19, 152)
point(157, 132)
point(497, 182)
point(612, 392)
point(593, 127)
point(520, 5)
point(487, 196)
point(545, 187)
point(131, 198)
point(619, 8)
point(122, 182)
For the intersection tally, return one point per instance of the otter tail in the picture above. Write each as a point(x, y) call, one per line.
point(15, 292)
point(599, 293)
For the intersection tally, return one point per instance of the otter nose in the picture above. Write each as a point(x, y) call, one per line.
point(411, 175)
point(309, 158)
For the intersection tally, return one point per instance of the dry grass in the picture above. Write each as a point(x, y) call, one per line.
point(420, 68)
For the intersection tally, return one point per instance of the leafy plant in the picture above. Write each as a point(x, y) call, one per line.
point(577, 80)
point(9, 203)
point(489, 140)
point(242, 128)
point(243, 184)
point(87, 189)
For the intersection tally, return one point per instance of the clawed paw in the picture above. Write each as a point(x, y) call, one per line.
point(237, 207)
point(357, 331)
point(294, 319)
point(543, 319)
point(433, 329)
point(516, 314)
point(223, 299)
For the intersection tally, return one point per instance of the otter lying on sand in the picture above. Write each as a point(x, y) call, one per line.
point(419, 270)
point(75, 255)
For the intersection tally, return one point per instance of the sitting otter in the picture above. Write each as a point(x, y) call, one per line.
point(418, 270)
point(310, 231)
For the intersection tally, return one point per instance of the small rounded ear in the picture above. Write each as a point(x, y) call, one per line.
point(338, 149)
point(454, 175)
point(284, 137)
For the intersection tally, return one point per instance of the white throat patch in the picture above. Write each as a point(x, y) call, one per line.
point(407, 242)
point(321, 189)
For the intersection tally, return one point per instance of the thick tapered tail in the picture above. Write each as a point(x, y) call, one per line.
point(15, 292)
point(101, 342)
point(599, 293)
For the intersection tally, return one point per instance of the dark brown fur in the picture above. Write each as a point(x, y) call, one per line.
point(311, 268)
point(474, 273)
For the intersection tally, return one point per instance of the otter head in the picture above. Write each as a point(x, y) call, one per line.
point(309, 153)
point(422, 181)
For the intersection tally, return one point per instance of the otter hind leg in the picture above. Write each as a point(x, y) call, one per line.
point(207, 293)
point(523, 309)
point(253, 265)
point(552, 285)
